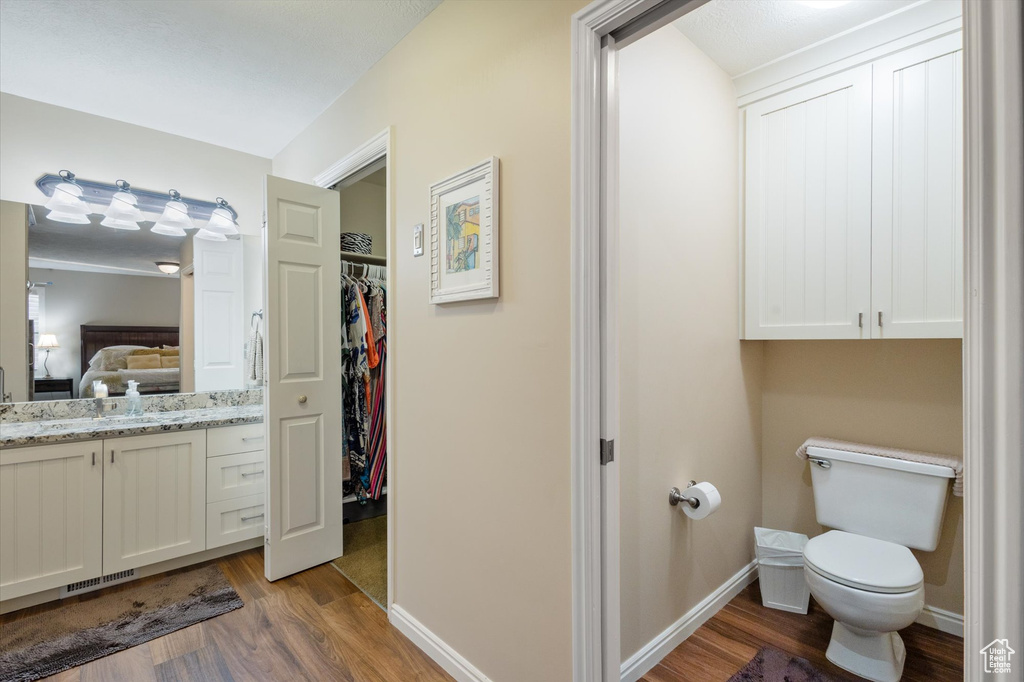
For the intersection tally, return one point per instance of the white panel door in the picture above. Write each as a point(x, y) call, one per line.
point(807, 243)
point(50, 517)
point(303, 397)
point(219, 342)
point(154, 498)
point(917, 211)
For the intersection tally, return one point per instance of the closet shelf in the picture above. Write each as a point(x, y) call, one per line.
point(363, 258)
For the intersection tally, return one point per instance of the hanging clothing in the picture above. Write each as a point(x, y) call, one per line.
point(364, 349)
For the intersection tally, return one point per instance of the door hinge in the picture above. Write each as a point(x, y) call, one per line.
point(607, 451)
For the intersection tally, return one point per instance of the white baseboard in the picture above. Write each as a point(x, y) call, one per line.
point(445, 656)
point(651, 654)
point(942, 620)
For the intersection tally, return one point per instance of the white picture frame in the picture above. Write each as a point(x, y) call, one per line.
point(464, 253)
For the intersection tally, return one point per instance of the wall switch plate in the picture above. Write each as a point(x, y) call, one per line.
point(417, 240)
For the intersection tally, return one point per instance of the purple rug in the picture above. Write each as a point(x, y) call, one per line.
point(773, 665)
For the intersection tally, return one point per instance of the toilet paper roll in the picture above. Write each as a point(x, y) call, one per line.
point(708, 496)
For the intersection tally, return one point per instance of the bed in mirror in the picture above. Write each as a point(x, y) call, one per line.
point(108, 306)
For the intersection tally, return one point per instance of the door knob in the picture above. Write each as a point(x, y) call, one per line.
point(302, 400)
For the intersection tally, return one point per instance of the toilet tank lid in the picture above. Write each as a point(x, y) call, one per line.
point(881, 462)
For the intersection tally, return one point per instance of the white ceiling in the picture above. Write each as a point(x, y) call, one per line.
point(740, 35)
point(245, 75)
point(94, 248)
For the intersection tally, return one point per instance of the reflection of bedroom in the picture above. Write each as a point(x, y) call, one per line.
point(95, 298)
point(118, 305)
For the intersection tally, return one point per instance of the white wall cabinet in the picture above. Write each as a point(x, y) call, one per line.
point(917, 196)
point(50, 517)
point(852, 202)
point(154, 498)
point(808, 210)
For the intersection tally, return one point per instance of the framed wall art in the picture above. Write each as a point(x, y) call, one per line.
point(464, 235)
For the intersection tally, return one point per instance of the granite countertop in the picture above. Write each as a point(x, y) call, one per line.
point(16, 434)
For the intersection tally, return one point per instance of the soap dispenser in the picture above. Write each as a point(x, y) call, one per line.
point(133, 401)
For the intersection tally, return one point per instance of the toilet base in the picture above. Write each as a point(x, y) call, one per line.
point(877, 656)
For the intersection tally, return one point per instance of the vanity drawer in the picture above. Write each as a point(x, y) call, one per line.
point(227, 440)
point(231, 476)
point(234, 520)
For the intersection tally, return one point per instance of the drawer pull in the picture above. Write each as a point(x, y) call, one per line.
point(254, 516)
point(252, 473)
point(249, 438)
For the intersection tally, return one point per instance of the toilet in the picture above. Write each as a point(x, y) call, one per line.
point(863, 573)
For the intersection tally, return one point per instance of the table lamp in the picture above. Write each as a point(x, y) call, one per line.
point(47, 342)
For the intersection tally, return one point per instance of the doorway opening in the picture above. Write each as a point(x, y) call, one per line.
point(364, 234)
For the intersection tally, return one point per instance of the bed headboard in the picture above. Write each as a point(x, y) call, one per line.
point(95, 337)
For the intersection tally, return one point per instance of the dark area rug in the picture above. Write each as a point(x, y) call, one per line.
point(55, 640)
point(773, 665)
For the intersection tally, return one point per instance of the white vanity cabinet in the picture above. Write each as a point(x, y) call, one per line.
point(852, 201)
point(51, 531)
point(154, 497)
point(235, 481)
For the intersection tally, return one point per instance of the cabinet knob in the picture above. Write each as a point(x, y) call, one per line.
point(302, 400)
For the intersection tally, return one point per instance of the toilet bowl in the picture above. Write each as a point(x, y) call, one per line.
point(872, 588)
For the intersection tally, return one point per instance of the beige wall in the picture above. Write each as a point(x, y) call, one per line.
point(364, 209)
point(483, 546)
point(690, 392)
point(39, 138)
point(78, 298)
point(903, 393)
point(14, 299)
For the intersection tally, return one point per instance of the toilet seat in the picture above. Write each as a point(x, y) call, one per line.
point(863, 563)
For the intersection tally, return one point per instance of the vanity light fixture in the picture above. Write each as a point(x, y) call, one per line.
point(123, 212)
point(209, 236)
point(175, 219)
point(167, 267)
point(66, 204)
point(221, 220)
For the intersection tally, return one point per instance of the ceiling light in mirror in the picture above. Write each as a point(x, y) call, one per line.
point(203, 233)
point(74, 218)
point(167, 267)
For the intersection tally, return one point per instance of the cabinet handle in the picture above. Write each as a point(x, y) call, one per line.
point(94, 459)
point(860, 320)
point(111, 456)
point(879, 318)
point(302, 400)
point(246, 439)
point(250, 518)
point(252, 473)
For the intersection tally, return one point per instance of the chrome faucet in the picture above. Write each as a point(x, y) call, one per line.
point(98, 403)
point(5, 397)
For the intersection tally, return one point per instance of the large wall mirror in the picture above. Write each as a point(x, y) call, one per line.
point(112, 305)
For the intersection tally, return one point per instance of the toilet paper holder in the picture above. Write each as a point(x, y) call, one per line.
point(675, 496)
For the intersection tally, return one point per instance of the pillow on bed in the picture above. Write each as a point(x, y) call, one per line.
point(170, 361)
point(111, 358)
point(154, 351)
point(148, 361)
point(166, 347)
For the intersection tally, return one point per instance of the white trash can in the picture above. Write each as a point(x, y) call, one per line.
point(780, 561)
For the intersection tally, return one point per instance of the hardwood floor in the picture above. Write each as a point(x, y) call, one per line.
point(723, 645)
point(315, 625)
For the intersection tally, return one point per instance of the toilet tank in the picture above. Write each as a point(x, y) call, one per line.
point(880, 497)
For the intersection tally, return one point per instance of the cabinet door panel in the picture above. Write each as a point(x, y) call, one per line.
point(917, 205)
point(807, 237)
point(154, 499)
point(50, 517)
